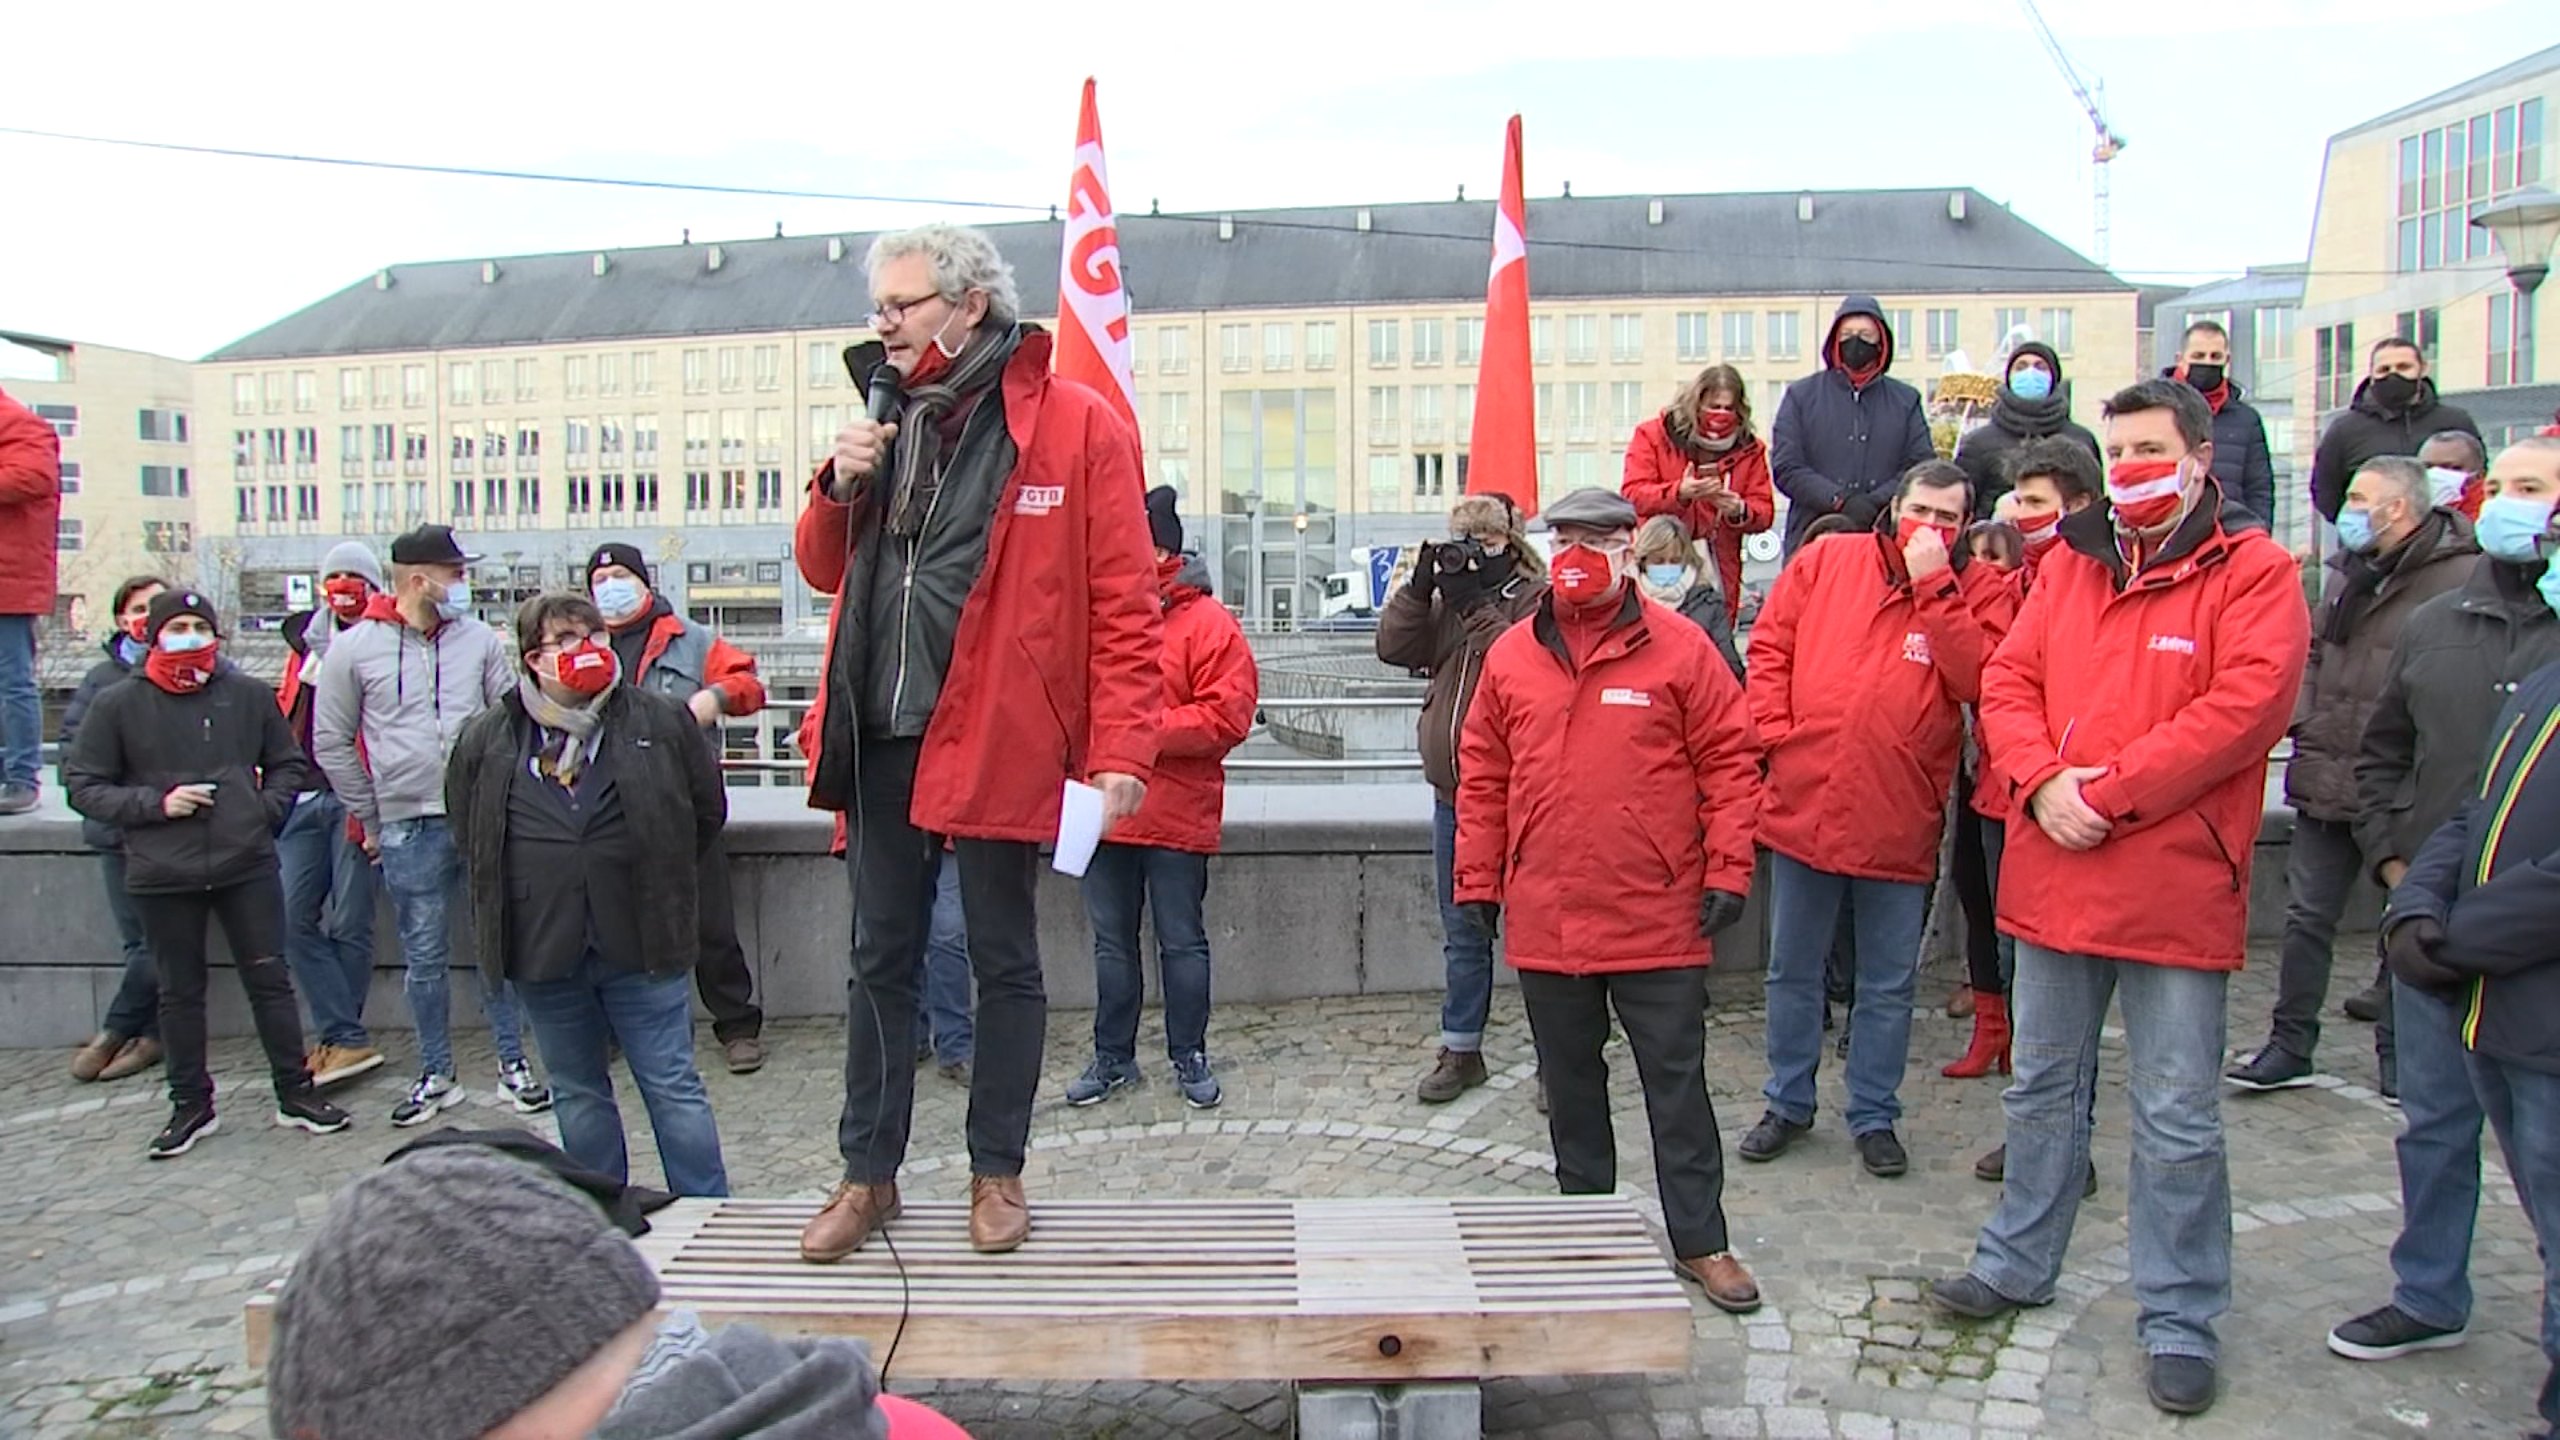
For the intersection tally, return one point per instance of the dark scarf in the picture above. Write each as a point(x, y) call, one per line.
point(2028, 419)
point(916, 467)
point(2365, 575)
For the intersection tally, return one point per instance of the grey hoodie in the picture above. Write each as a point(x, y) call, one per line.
point(407, 695)
point(740, 1381)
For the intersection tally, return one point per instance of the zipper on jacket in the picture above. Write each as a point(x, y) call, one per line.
point(1458, 709)
point(204, 836)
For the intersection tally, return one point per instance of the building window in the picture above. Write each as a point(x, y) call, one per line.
point(2449, 174)
point(65, 419)
point(1173, 426)
point(697, 491)
point(2423, 326)
point(67, 481)
point(244, 394)
point(1277, 339)
point(1426, 342)
point(1426, 415)
point(413, 386)
point(1737, 334)
point(386, 449)
point(1382, 344)
point(2275, 332)
point(822, 364)
point(244, 507)
point(581, 496)
point(573, 377)
point(697, 372)
point(644, 493)
point(460, 451)
point(306, 451)
point(1173, 351)
point(574, 436)
point(1542, 339)
point(1320, 344)
point(457, 377)
point(528, 379)
point(2007, 320)
point(768, 489)
point(493, 446)
point(1385, 482)
point(1582, 411)
point(1235, 348)
point(1462, 423)
point(1943, 334)
point(350, 451)
point(66, 534)
point(350, 507)
point(306, 504)
point(1626, 409)
point(165, 482)
point(279, 504)
point(732, 369)
point(529, 495)
point(2057, 330)
point(271, 393)
point(1470, 340)
point(1581, 339)
point(2334, 369)
point(1581, 470)
point(768, 436)
point(733, 437)
point(608, 375)
point(163, 425)
point(768, 362)
point(2510, 338)
point(609, 494)
point(1626, 339)
point(493, 499)
point(244, 453)
point(1386, 426)
point(351, 388)
point(1430, 476)
point(1786, 334)
point(413, 449)
point(493, 381)
point(306, 391)
point(1689, 336)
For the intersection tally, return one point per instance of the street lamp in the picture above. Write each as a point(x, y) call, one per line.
point(1298, 576)
point(2525, 225)
point(1253, 553)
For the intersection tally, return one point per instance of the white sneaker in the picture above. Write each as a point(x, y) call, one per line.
point(431, 1096)
point(530, 1097)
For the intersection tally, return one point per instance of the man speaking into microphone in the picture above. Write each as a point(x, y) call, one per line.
point(984, 532)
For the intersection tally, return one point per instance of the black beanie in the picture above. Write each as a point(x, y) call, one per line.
point(168, 605)
point(1162, 522)
point(622, 553)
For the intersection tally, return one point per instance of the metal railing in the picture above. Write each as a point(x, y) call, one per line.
point(769, 764)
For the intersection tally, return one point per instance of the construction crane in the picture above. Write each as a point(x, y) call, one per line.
point(2109, 143)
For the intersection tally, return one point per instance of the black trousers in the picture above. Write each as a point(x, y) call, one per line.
point(1972, 879)
point(252, 916)
point(892, 867)
point(1659, 1010)
point(721, 976)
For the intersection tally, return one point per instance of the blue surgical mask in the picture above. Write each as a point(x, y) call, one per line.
point(1664, 577)
point(456, 602)
point(130, 650)
point(2445, 486)
point(184, 644)
point(618, 597)
point(2549, 585)
point(2030, 384)
point(2355, 530)
point(2510, 528)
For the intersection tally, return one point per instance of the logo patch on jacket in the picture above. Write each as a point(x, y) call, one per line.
point(1040, 499)
point(1915, 647)
point(2172, 645)
point(1621, 695)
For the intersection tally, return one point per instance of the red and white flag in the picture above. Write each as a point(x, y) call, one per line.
point(1093, 308)
point(1503, 449)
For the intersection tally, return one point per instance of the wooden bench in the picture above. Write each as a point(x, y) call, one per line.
point(1363, 1293)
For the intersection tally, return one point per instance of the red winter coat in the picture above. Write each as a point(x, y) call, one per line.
point(1054, 671)
point(1210, 690)
point(1858, 686)
point(1598, 808)
point(1655, 468)
point(725, 667)
point(30, 510)
point(1995, 605)
point(2179, 685)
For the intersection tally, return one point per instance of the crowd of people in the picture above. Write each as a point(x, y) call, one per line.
point(2061, 657)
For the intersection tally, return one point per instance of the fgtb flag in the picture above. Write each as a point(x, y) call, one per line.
point(1093, 307)
point(1503, 449)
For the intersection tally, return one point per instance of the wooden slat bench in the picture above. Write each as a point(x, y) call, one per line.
point(1368, 1292)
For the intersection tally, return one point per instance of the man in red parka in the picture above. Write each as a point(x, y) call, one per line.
point(30, 514)
point(1869, 648)
point(996, 633)
point(2130, 713)
point(1606, 782)
point(1161, 856)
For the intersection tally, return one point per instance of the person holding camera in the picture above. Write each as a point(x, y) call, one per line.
point(1464, 593)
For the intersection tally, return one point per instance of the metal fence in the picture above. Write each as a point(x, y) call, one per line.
point(755, 756)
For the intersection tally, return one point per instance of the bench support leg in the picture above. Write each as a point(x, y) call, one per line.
point(1433, 1410)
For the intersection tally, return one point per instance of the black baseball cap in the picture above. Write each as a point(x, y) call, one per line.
point(430, 545)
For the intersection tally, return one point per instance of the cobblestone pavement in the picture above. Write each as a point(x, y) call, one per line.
point(121, 1280)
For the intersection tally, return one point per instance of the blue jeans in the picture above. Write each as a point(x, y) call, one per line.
point(652, 1015)
point(424, 875)
point(21, 707)
point(2179, 1203)
point(1121, 882)
point(2439, 1149)
point(135, 1012)
point(1465, 951)
point(328, 909)
point(1804, 905)
point(2523, 1106)
point(942, 995)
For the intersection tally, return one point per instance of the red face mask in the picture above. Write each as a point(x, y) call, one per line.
point(2040, 533)
point(1583, 576)
point(346, 596)
point(180, 672)
point(1912, 525)
point(932, 361)
point(586, 668)
point(1717, 424)
point(137, 626)
point(2146, 493)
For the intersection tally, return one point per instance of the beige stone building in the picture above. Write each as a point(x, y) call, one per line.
point(1316, 363)
point(128, 464)
point(2393, 252)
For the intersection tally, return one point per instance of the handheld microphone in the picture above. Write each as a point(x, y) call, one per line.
point(882, 392)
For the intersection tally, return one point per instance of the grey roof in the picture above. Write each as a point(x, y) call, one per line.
point(2262, 285)
point(2524, 69)
point(1881, 241)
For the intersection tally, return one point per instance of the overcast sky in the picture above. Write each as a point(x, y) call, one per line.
point(2225, 107)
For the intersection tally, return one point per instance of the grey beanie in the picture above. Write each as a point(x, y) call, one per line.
point(443, 1294)
point(352, 557)
point(1593, 509)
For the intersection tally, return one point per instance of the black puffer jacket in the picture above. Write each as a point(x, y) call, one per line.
point(138, 741)
point(110, 671)
point(2241, 460)
point(2459, 659)
point(2014, 421)
point(1839, 446)
point(2364, 429)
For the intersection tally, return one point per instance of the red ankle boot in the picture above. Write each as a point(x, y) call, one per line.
point(1990, 1046)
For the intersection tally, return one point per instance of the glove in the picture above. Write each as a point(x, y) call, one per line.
point(1862, 508)
point(2409, 950)
point(1465, 590)
point(1426, 572)
point(1717, 910)
point(1485, 915)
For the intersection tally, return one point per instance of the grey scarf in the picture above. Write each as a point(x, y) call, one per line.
point(917, 465)
point(568, 733)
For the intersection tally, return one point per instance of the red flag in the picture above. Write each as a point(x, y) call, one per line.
point(1503, 450)
point(1093, 308)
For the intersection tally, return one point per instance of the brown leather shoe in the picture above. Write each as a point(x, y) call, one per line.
point(92, 1058)
point(1729, 1287)
point(999, 1218)
point(852, 1213)
point(745, 1055)
point(139, 1054)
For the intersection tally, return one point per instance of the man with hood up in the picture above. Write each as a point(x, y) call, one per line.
point(2035, 401)
point(2394, 412)
point(1845, 433)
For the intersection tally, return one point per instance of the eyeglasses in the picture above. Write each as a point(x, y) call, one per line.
point(892, 312)
point(558, 643)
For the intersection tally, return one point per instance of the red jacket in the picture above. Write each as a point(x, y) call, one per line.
point(1598, 807)
point(1054, 669)
point(1655, 468)
point(1210, 690)
point(30, 510)
point(1858, 686)
point(1996, 606)
point(2179, 684)
point(725, 667)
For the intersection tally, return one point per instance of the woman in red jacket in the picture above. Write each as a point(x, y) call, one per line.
point(1161, 854)
point(1698, 462)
